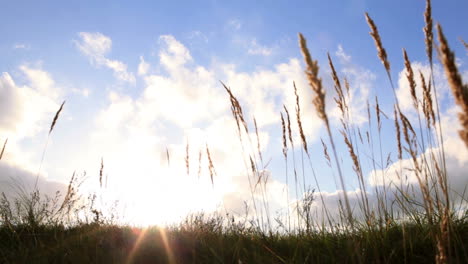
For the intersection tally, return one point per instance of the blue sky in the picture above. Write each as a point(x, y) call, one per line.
point(106, 58)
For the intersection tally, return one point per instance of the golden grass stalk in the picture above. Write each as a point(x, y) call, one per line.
point(285, 154)
point(352, 153)
point(315, 83)
point(304, 145)
point(418, 168)
point(459, 90)
point(412, 150)
point(236, 110)
point(288, 125)
point(428, 107)
point(428, 30)
point(3, 149)
point(56, 117)
point(325, 152)
point(101, 172)
point(464, 44)
point(412, 85)
point(378, 43)
point(346, 83)
point(336, 80)
point(460, 93)
point(442, 241)
point(258, 141)
point(407, 127)
point(398, 134)
point(299, 121)
point(377, 113)
point(54, 121)
point(69, 195)
point(411, 81)
point(340, 101)
point(252, 167)
point(285, 145)
point(211, 167)
point(429, 36)
point(301, 132)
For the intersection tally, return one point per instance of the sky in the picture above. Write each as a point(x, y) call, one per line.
point(141, 79)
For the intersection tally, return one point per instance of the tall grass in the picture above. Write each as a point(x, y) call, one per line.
point(407, 224)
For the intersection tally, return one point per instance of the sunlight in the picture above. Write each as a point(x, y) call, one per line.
point(140, 236)
point(166, 199)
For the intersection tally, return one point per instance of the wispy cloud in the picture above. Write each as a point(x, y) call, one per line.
point(21, 46)
point(83, 92)
point(340, 53)
point(256, 49)
point(196, 34)
point(143, 67)
point(95, 46)
point(234, 24)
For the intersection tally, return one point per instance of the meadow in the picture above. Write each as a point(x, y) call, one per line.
point(419, 221)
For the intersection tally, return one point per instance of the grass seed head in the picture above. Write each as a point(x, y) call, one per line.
point(428, 33)
point(101, 172)
point(299, 121)
point(464, 44)
point(428, 108)
point(382, 54)
point(398, 133)
point(56, 117)
point(285, 145)
point(459, 90)
point(211, 167)
point(315, 82)
point(411, 81)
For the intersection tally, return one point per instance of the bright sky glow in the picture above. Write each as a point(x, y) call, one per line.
point(141, 79)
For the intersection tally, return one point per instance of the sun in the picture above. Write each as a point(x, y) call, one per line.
point(167, 200)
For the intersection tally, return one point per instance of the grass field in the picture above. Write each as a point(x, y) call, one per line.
point(425, 222)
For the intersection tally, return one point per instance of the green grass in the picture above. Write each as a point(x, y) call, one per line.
point(211, 242)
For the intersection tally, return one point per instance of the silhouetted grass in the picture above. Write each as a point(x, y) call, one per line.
point(211, 242)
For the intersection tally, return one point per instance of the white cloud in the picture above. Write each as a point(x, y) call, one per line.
point(344, 57)
point(133, 132)
point(198, 35)
point(186, 100)
point(456, 160)
point(403, 90)
point(85, 92)
point(360, 80)
point(173, 54)
point(143, 67)
point(24, 109)
point(95, 46)
point(41, 81)
point(15, 180)
point(257, 49)
point(234, 24)
point(21, 46)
